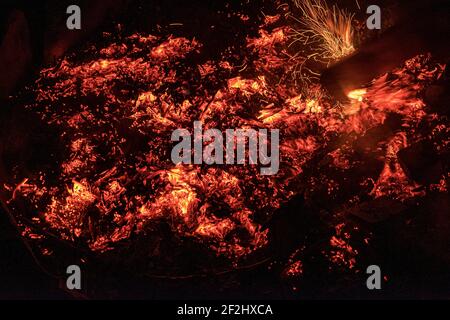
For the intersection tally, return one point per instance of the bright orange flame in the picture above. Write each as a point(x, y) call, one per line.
point(357, 94)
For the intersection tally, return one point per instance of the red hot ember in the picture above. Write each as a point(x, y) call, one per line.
point(116, 108)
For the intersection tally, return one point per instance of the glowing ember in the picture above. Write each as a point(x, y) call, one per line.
point(116, 111)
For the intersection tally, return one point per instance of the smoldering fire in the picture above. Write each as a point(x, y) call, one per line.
point(213, 153)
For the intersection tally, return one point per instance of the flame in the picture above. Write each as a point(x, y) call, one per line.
point(393, 180)
point(357, 94)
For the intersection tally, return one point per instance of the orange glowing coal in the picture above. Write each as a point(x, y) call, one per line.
point(116, 111)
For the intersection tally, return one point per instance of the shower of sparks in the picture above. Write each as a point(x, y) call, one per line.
point(330, 27)
point(327, 31)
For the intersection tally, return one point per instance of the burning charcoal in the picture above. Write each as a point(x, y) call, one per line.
point(87, 149)
point(421, 163)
